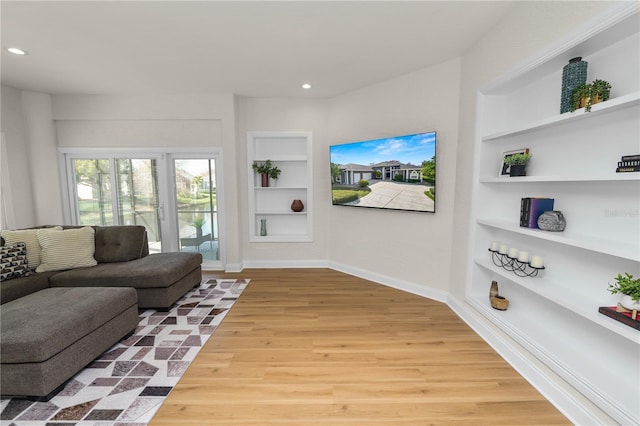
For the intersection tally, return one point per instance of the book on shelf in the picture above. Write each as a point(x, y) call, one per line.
point(531, 208)
point(623, 317)
point(629, 163)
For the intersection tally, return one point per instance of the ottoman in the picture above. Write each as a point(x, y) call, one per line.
point(48, 336)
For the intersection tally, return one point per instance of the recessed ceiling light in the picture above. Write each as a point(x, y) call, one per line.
point(16, 51)
point(306, 86)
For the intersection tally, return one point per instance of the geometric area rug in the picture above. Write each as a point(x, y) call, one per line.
point(126, 385)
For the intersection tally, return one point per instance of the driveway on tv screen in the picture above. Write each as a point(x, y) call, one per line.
point(396, 195)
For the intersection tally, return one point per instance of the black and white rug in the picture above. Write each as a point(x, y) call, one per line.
point(127, 384)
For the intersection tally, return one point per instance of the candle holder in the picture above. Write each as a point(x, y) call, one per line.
point(518, 267)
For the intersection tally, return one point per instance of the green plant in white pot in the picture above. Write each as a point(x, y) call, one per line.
point(629, 290)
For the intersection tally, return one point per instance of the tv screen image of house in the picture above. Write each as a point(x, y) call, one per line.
point(396, 173)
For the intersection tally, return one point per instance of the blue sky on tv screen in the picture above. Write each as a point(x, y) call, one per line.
point(412, 149)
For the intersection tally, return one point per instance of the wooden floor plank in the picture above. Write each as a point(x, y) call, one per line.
point(316, 346)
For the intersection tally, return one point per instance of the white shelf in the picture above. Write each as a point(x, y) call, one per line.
point(282, 238)
point(277, 188)
point(554, 316)
point(622, 102)
point(282, 158)
point(566, 298)
point(279, 213)
point(627, 176)
point(600, 245)
point(291, 152)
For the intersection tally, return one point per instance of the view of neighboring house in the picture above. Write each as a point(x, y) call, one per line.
point(351, 174)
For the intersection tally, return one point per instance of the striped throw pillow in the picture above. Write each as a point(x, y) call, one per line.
point(67, 249)
point(29, 237)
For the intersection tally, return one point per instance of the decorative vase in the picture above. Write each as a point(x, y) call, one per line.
point(573, 75)
point(585, 101)
point(264, 180)
point(552, 220)
point(627, 304)
point(263, 227)
point(518, 170)
point(297, 206)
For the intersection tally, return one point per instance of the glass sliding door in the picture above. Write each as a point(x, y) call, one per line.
point(173, 195)
point(138, 201)
point(196, 206)
point(92, 191)
point(132, 200)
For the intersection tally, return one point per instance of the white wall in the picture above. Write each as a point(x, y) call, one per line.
point(14, 128)
point(411, 248)
point(43, 153)
point(158, 121)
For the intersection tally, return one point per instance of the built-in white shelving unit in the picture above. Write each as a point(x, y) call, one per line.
point(291, 153)
point(554, 316)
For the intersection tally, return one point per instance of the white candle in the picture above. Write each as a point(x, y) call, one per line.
point(523, 257)
point(536, 262)
point(513, 252)
point(503, 249)
point(495, 246)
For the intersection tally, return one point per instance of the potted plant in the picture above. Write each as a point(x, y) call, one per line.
point(517, 164)
point(274, 173)
point(629, 290)
point(263, 169)
point(198, 223)
point(585, 95)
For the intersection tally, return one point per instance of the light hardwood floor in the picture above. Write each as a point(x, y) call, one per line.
point(318, 347)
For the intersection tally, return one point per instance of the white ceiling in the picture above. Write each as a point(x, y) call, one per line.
point(250, 48)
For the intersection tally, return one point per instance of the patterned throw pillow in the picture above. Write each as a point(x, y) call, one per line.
point(68, 249)
point(14, 261)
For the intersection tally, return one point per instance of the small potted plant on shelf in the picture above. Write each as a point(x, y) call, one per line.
point(517, 164)
point(629, 290)
point(586, 95)
point(263, 169)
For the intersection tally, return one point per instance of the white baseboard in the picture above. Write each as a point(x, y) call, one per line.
point(407, 286)
point(575, 406)
point(269, 264)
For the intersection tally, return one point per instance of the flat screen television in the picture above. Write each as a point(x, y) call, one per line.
point(396, 173)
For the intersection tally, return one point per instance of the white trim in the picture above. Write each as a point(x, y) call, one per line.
point(577, 408)
point(409, 287)
point(7, 215)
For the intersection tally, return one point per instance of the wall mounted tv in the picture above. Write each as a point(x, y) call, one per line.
point(396, 173)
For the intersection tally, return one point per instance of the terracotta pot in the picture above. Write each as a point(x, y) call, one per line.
point(297, 206)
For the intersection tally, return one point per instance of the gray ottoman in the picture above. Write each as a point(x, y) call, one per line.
point(48, 336)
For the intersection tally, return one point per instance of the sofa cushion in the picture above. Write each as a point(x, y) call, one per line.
point(155, 270)
point(30, 238)
point(119, 243)
point(66, 249)
point(20, 287)
point(13, 261)
point(36, 327)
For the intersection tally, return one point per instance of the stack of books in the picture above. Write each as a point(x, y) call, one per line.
point(532, 208)
point(629, 163)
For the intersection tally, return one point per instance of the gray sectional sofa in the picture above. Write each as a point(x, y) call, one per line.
point(54, 323)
